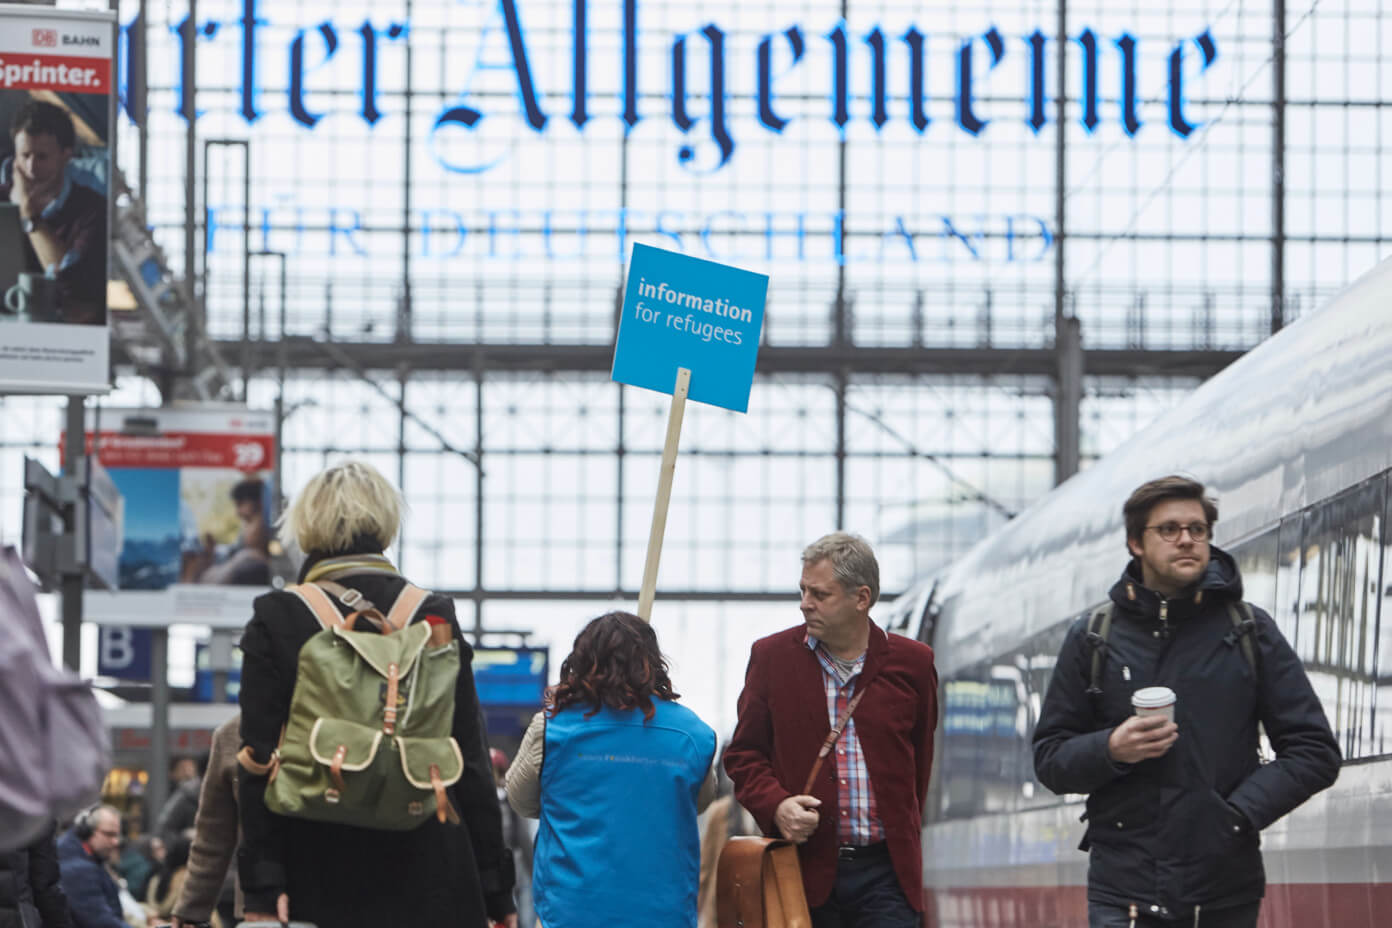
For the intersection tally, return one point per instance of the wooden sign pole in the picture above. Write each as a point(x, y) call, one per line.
point(664, 494)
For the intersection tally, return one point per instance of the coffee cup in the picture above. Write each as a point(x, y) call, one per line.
point(1154, 700)
point(32, 297)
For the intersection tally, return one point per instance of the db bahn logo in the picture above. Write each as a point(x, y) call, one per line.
point(45, 38)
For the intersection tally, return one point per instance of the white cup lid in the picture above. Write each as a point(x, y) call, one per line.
point(1153, 697)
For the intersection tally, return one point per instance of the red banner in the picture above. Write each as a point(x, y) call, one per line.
point(184, 449)
point(21, 71)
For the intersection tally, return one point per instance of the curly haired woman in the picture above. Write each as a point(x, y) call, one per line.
point(617, 772)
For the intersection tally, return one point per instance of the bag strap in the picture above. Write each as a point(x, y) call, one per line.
point(408, 603)
point(403, 610)
point(319, 603)
point(351, 598)
point(782, 865)
point(1243, 627)
point(1099, 627)
point(833, 736)
point(360, 605)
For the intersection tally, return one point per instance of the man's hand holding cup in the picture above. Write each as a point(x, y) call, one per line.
point(1150, 732)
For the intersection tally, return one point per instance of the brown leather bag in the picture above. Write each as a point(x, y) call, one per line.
point(759, 885)
point(758, 882)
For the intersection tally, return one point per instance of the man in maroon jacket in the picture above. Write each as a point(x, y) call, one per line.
point(859, 829)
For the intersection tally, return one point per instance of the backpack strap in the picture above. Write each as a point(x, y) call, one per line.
point(408, 603)
point(1244, 625)
point(319, 603)
point(361, 606)
point(351, 598)
point(403, 610)
point(1098, 628)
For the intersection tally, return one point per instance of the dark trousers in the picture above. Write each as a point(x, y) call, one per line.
point(866, 895)
point(1114, 916)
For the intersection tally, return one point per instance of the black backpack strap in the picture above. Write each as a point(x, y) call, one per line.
point(1099, 627)
point(1244, 626)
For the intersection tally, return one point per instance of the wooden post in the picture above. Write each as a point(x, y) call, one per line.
point(664, 494)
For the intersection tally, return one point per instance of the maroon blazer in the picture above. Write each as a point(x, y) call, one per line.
point(783, 722)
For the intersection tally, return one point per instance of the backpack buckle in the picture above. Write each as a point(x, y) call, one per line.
point(350, 597)
point(331, 796)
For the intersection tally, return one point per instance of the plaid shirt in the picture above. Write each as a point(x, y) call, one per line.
point(860, 820)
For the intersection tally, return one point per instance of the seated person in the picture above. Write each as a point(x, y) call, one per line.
point(64, 222)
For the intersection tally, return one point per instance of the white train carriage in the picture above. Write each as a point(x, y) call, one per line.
point(1295, 441)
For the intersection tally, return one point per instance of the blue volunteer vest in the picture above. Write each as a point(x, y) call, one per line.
point(618, 844)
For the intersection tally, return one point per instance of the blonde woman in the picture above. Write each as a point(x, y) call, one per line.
point(339, 876)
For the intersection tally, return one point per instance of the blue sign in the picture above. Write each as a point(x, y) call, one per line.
point(510, 676)
point(123, 653)
point(685, 312)
point(202, 689)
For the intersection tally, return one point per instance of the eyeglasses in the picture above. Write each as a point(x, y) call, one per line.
point(1169, 531)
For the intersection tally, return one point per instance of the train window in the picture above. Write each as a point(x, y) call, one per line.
point(1037, 660)
point(1256, 560)
point(1382, 712)
point(979, 739)
point(1287, 595)
point(989, 713)
point(1340, 591)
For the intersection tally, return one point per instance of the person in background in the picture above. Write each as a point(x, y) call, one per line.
point(30, 894)
point(140, 861)
point(723, 819)
point(176, 818)
point(94, 897)
point(164, 889)
point(216, 833)
point(617, 771)
point(248, 563)
point(519, 833)
point(337, 876)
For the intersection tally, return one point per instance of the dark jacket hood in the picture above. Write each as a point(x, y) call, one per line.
point(1221, 582)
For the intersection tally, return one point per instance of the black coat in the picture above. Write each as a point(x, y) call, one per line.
point(29, 890)
point(1183, 829)
point(342, 877)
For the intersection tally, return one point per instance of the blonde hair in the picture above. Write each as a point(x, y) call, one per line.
point(344, 502)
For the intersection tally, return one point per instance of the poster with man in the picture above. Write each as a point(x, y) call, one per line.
point(56, 115)
point(197, 483)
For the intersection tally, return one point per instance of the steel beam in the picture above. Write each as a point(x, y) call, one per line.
point(304, 353)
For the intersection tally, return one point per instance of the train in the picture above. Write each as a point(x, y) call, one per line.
point(1294, 439)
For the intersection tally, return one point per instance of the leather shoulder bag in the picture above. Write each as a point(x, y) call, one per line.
point(758, 880)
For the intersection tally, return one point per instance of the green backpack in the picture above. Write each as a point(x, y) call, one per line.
point(368, 739)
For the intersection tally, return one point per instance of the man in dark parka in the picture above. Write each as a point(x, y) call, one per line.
point(1175, 808)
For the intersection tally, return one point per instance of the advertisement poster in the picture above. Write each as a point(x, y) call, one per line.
point(198, 495)
point(55, 203)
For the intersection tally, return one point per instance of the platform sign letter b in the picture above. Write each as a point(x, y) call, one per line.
point(124, 653)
